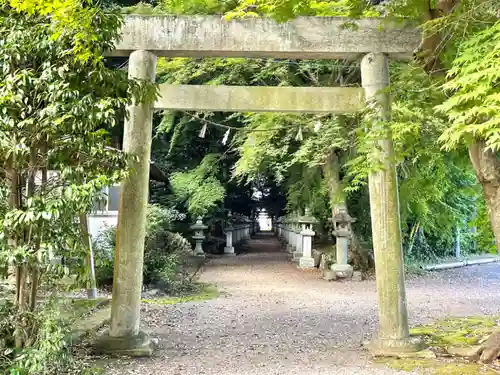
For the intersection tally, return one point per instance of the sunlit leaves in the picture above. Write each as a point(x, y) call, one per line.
point(474, 87)
point(76, 21)
point(199, 187)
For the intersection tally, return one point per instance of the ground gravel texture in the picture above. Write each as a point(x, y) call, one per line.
point(276, 319)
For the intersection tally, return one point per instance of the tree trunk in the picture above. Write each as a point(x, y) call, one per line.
point(431, 46)
point(358, 257)
point(484, 161)
point(331, 171)
point(28, 235)
point(14, 187)
point(487, 168)
point(35, 276)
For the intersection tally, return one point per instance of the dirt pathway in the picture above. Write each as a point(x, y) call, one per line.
point(276, 319)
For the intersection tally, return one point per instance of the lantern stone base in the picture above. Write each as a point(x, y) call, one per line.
point(401, 348)
point(306, 262)
point(229, 250)
point(344, 271)
point(133, 346)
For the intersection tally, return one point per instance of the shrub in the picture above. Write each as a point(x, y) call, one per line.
point(164, 253)
point(45, 351)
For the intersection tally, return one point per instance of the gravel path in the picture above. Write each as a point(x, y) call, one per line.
point(276, 319)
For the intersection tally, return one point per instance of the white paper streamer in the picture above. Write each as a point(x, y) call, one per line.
point(203, 131)
point(226, 136)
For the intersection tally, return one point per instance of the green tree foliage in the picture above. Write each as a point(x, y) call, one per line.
point(199, 187)
point(56, 102)
point(474, 104)
point(74, 19)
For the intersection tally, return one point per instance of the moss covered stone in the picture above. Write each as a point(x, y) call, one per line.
point(460, 334)
point(457, 331)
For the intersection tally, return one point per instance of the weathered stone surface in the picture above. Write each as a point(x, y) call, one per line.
point(384, 207)
point(131, 229)
point(305, 262)
point(424, 354)
point(357, 276)
point(302, 38)
point(229, 251)
point(342, 270)
point(89, 324)
point(491, 348)
point(260, 99)
point(134, 346)
point(464, 351)
point(329, 275)
point(400, 348)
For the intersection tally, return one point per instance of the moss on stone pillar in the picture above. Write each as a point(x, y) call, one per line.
point(393, 335)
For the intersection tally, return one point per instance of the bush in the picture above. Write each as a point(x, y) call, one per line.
point(45, 351)
point(164, 253)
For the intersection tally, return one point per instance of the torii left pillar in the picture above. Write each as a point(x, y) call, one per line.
point(124, 336)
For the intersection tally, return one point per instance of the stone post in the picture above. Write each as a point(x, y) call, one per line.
point(298, 247)
point(306, 234)
point(284, 232)
point(306, 260)
point(198, 228)
point(238, 233)
point(393, 336)
point(287, 235)
point(290, 243)
point(247, 228)
point(293, 235)
point(229, 249)
point(124, 335)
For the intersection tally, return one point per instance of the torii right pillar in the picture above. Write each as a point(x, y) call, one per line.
point(393, 336)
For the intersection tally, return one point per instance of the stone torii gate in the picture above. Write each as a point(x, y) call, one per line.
point(146, 37)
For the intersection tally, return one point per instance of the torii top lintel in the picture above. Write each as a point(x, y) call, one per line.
point(301, 38)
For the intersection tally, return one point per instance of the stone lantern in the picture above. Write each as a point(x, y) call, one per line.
point(198, 236)
point(342, 231)
point(229, 248)
point(306, 235)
